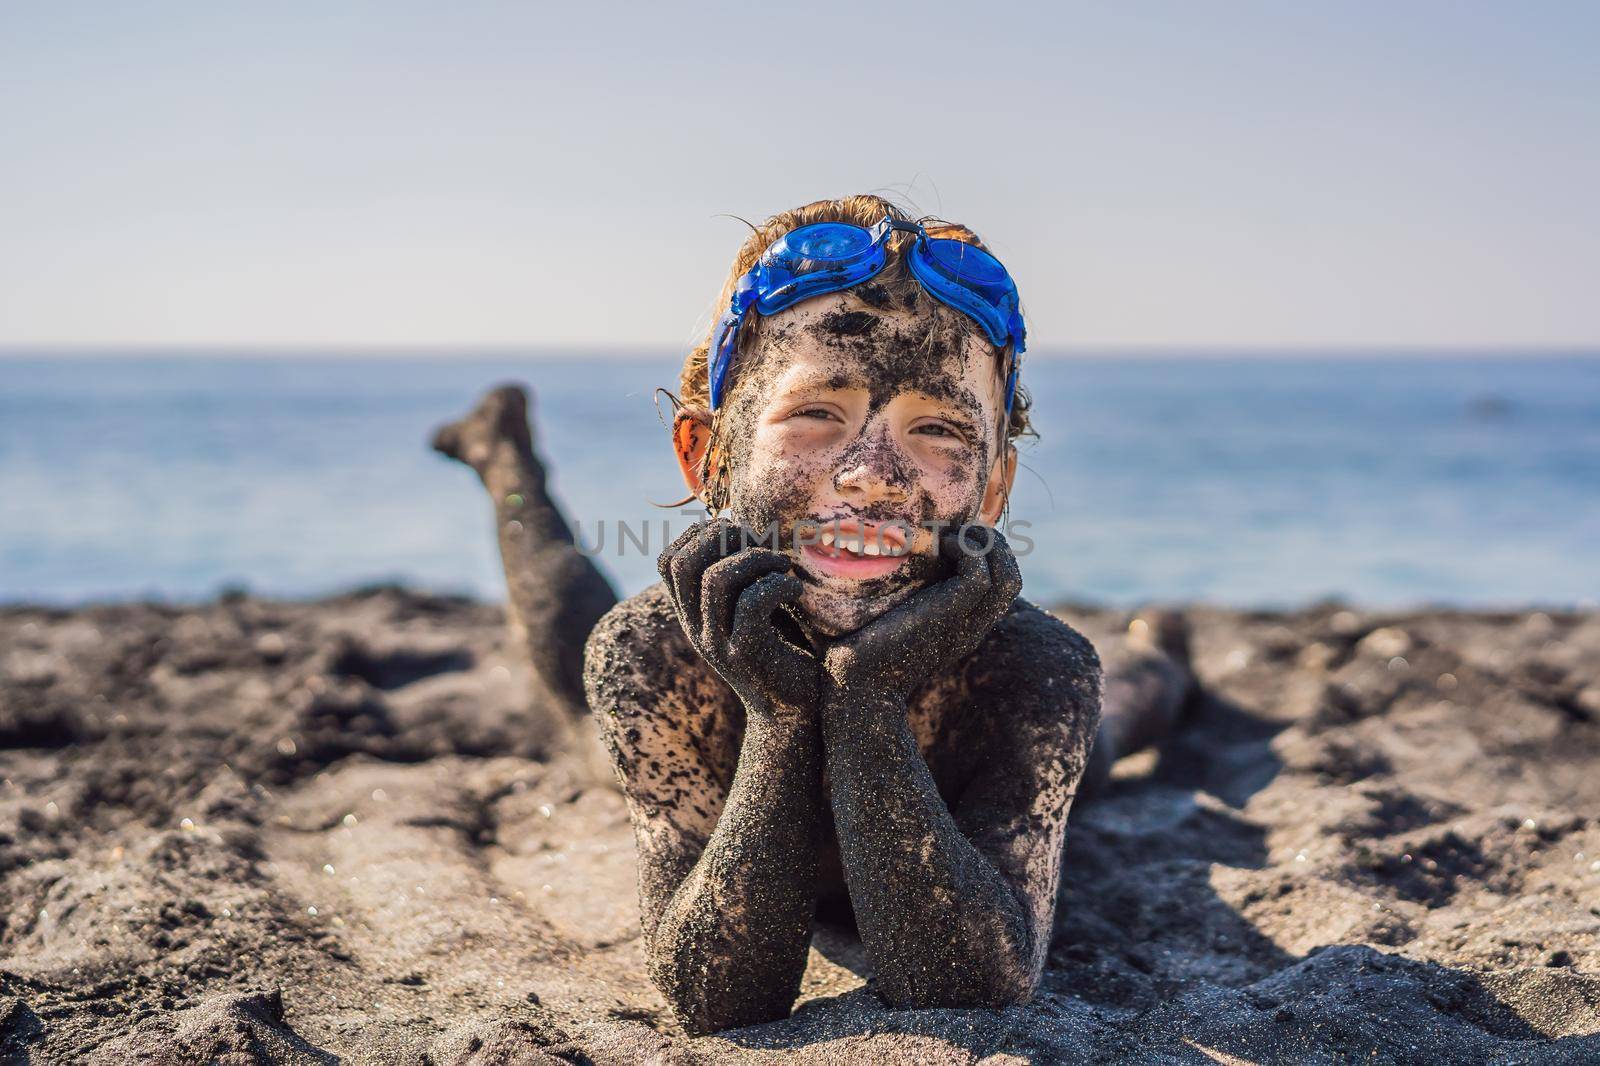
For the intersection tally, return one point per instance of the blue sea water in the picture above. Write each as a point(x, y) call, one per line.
point(1468, 481)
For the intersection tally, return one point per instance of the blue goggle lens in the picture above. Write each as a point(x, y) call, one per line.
point(963, 262)
point(831, 256)
point(823, 241)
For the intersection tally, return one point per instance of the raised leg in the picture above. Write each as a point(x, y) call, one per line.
point(556, 595)
point(1148, 684)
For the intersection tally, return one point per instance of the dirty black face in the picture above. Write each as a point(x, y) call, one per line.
point(852, 429)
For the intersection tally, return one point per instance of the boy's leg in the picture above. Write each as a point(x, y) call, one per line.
point(556, 594)
point(1148, 684)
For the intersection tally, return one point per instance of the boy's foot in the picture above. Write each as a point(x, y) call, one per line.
point(1166, 632)
point(500, 419)
point(1148, 688)
point(1163, 630)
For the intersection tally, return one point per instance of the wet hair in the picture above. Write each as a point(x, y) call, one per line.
point(894, 285)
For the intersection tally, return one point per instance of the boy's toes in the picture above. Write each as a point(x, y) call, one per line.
point(447, 441)
point(500, 417)
point(505, 408)
point(1167, 633)
point(1165, 630)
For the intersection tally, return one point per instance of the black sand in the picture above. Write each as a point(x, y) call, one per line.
point(282, 832)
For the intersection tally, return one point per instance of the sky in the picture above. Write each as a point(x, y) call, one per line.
point(565, 177)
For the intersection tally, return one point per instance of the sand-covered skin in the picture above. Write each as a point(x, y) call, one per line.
point(1377, 838)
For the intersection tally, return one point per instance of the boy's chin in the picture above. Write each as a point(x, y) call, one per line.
point(833, 612)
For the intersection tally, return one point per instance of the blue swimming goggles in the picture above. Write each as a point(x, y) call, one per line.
point(830, 256)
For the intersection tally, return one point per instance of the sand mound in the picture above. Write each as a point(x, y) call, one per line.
point(307, 833)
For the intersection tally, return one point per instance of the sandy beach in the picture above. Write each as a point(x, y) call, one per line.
point(256, 831)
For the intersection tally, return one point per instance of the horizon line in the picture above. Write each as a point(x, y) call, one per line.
point(547, 352)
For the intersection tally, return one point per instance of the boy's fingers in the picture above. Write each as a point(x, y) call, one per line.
point(950, 546)
point(972, 578)
point(1005, 574)
point(670, 552)
point(725, 580)
point(934, 609)
point(676, 554)
point(689, 564)
point(752, 615)
point(959, 548)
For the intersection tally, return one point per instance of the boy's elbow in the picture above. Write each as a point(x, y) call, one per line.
point(702, 1019)
point(1017, 986)
point(706, 1001)
point(995, 995)
point(993, 983)
point(701, 1013)
point(1013, 980)
point(994, 973)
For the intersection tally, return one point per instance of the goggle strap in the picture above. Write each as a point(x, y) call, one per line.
point(747, 292)
point(1018, 330)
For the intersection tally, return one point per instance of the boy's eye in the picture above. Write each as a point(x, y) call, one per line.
point(812, 412)
point(939, 429)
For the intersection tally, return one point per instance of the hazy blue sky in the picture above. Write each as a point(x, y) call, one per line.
point(1185, 174)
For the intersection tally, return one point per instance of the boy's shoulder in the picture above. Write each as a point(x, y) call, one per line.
point(639, 646)
point(1028, 629)
point(648, 615)
point(636, 632)
point(1031, 651)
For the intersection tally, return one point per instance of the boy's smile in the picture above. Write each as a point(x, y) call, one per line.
point(850, 548)
point(855, 432)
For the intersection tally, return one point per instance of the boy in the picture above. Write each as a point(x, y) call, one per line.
point(835, 701)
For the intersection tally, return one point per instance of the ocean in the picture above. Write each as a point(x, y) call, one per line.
point(1470, 481)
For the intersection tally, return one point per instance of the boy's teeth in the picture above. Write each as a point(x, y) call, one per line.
point(854, 544)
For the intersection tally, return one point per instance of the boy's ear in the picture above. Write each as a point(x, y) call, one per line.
point(1001, 475)
point(691, 436)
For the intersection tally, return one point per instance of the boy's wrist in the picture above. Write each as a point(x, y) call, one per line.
point(778, 723)
point(861, 703)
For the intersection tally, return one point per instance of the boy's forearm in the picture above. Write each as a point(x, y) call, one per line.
point(943, 927)
point(730, 948)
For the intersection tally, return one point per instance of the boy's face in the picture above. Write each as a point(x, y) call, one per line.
point(851, 417)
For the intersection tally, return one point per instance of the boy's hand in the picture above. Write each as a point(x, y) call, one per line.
point(726, 595)
point(940, 624)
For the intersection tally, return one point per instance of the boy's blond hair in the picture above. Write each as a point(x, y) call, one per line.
point(895, 279)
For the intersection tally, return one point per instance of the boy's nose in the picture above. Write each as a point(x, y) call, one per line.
point(873, 474)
